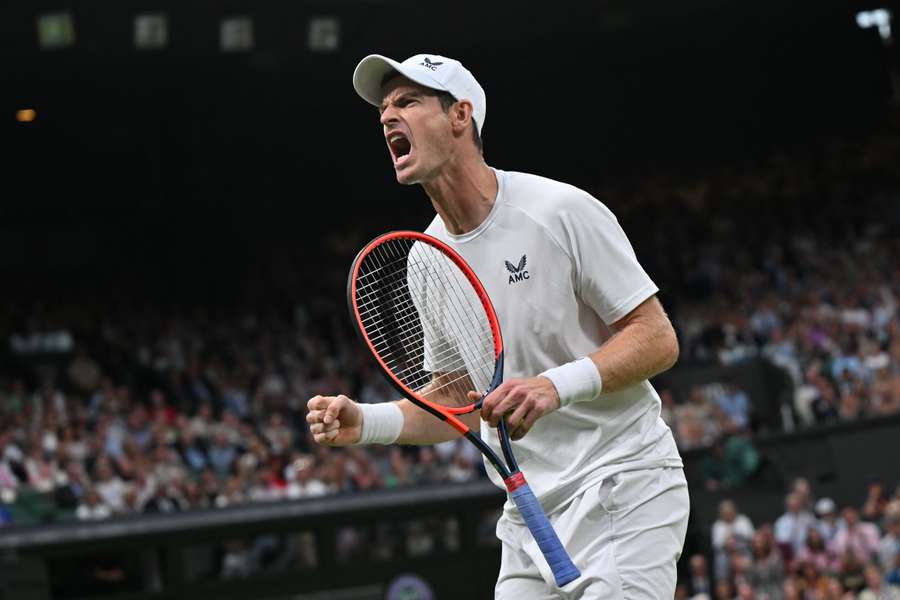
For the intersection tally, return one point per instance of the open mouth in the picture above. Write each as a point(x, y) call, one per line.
point(400, 146)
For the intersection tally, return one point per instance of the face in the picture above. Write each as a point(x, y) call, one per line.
point(873, 577)
point(698, 565)
point(417, 131)
point(727, 511)
point(813, 538)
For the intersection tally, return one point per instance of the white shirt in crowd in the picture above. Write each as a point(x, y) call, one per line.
point(740, 527)
point(112, 492)
point(97, 512)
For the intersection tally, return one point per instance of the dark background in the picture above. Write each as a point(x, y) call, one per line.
point(182, 171)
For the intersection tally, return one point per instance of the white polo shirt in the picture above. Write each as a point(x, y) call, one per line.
point(558, 269)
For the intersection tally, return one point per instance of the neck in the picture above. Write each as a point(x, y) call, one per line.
point(463, 194)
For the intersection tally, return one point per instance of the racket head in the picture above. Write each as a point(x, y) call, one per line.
point(426, 318)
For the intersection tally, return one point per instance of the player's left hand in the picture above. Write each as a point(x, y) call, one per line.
point(523, 400)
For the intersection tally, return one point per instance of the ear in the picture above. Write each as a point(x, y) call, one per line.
point(461, 117)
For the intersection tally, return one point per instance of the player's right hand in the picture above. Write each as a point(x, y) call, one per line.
point(334, 420)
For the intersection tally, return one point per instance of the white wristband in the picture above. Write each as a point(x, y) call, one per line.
point(577, 381)
point(381, 423)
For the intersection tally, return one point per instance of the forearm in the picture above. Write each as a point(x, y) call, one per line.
point(421, 427)
point(642, 348)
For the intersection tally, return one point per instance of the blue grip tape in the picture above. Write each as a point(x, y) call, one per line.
point(564, 570)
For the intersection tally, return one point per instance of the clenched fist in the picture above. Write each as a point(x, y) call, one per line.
point(334, 420)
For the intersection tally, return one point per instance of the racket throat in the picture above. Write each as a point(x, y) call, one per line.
point(486, 451)
point(514, 482)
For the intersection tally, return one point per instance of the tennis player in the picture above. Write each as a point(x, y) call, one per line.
point(583, 332)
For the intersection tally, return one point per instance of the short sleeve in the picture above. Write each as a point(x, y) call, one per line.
point(607, 274)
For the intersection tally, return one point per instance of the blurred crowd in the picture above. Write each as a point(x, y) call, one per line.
point(794, 260)
point(111, 407)
point(815, 550)
point(222, 422)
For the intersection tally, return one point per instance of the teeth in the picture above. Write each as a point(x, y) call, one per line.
point(394, 138)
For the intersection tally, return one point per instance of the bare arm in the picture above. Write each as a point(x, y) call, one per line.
point(337, 420)
point(421, 427)
point(644, 345)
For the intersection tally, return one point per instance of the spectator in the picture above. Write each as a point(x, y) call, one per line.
point(201, 423)
point(92, 508)
point(876, 501)
point(815, 552)
point(192, 496)
point(461, 468)
point(234, 397)
point(740, 567)
point(746, 592)
point(277, 434)
point(696, 427)
point(221, 454)
point(160, 410)
point(736, 405)
point(302, 479)
point(801, 487)
point(812, 581)
point(110, 487)
point(166, 499)
point(192, 451)
point(71, 486)
point(724, 590)
point(766, 574)
point(834, 590)
point(427, 470)
point(699, 581)
point(850, 572)
point(364, 474)
point(732, 532)
point(233, 493)
point(858, 538)
point(791, 527)
point(731, 461)
point(41, 472)
point(8, 479)
point(889, 547)
point(73, 443)
point(876, 588)
point(829, 523)
point(791, 590)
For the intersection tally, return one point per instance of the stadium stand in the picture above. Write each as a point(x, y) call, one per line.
point(110, 406)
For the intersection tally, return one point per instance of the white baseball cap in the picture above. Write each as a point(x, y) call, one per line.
point(432, 71)
point(825, 506)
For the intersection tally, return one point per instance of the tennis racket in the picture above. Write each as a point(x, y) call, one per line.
point(424, 315)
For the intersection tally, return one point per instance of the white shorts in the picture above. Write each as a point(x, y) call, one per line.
point(624, 534)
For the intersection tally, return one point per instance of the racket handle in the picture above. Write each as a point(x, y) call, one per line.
point(564, 570)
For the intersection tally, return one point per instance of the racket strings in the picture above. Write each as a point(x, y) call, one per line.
point(443, 276)
point(438, 356)
point(425, 321)
point(409, 317)
point(374, 324)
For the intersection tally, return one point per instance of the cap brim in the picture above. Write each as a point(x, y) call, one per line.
point(371, 70)
point(369, 74)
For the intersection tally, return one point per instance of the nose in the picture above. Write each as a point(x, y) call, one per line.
point(388, 116)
